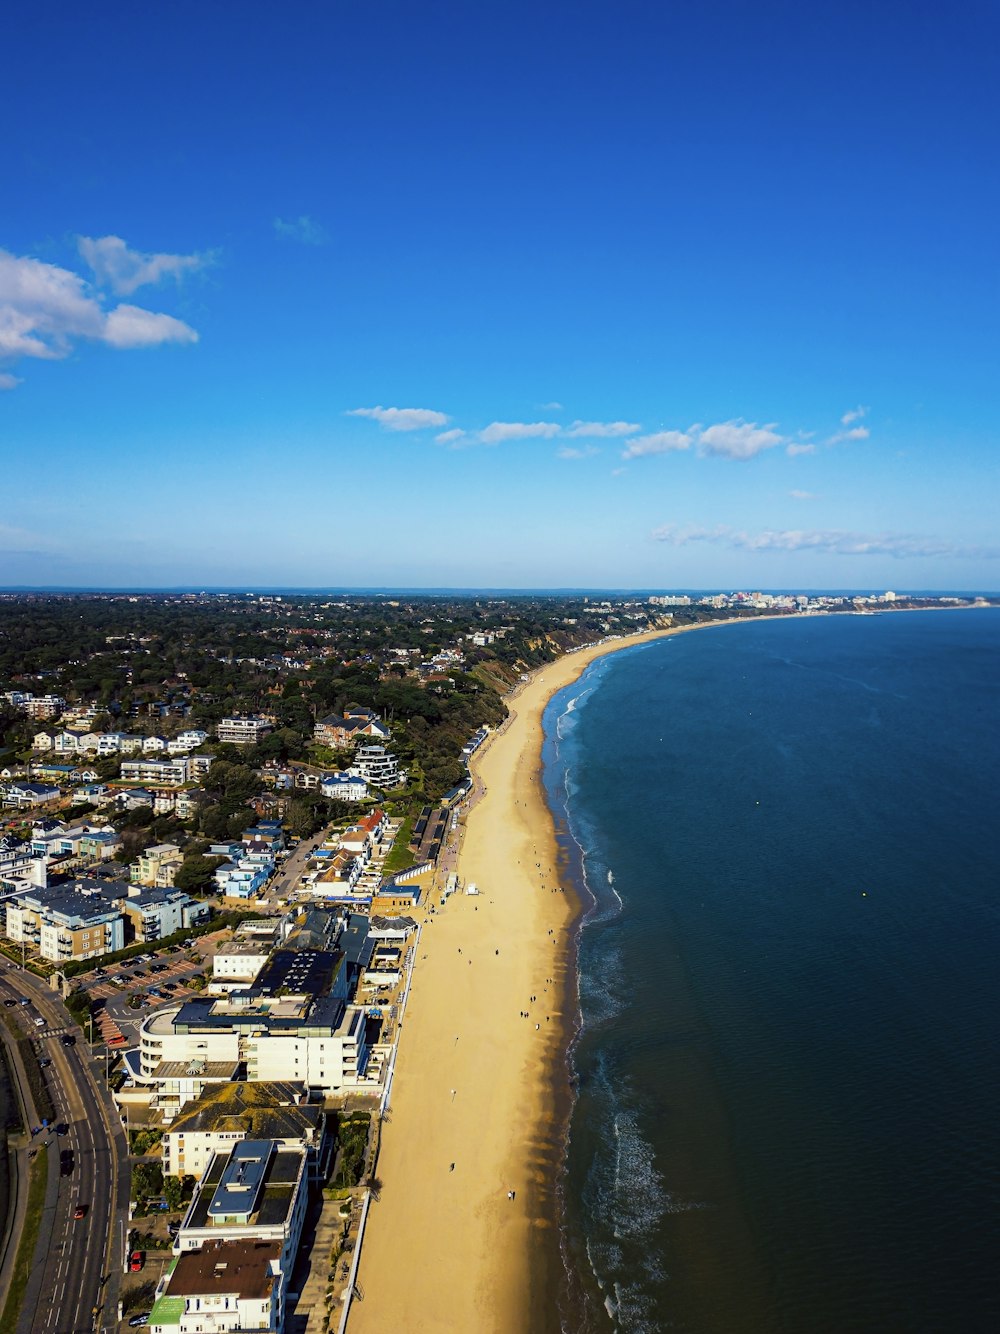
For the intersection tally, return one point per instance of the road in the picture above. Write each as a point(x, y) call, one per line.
point(66, 1281)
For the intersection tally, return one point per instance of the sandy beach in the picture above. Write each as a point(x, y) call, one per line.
point(479, 1099)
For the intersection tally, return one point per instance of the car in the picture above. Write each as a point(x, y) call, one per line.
point(139, 972)
point(141, 1319)
point(66, 1163)
point(39, 1021)
point(24, 1001)
point(79, 1212)
point(136, 1261)
point(68, 1040)
point(9, 1003)
point(62, 1128)
point(46, 1060)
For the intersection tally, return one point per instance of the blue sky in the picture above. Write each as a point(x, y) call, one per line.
point(589, 294)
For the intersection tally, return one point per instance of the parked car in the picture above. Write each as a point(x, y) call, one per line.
point(136, 1261)
point(9, 1002)
point(141, 1319)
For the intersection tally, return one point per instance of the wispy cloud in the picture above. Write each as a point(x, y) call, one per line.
point(854, 415)
point(402, 419)
point(451, 437)
point(123, 270)
point(8, 381)
point(305, 230)
point(601, 430)
point(738, 439)
point(803, 495)
point(569, 452)
point(549, 407)
point(794, 450)
point(855, 433)
point(834, 541)
point(660, 442)
point(498, 433)
point(45, 309)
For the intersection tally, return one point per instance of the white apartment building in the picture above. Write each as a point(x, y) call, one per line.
point(227, 1113)
point(169, 773)
point(244, 731)
point(377, 766)
point(227, 1287)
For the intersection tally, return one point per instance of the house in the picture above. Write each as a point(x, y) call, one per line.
point(343, 787)
point(190, 739)
point(133, 799)
point(25, 796)
point(100, 845)
point(153, 745)
point(225, 1287)
point(345, 731)
point(43, 741)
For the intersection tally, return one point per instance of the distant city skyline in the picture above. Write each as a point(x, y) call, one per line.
point(502, 296)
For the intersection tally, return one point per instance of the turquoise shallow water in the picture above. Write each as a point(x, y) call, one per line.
point(787, 1083)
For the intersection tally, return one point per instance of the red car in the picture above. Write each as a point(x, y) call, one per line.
point(135, 1261)
point(80, 1212)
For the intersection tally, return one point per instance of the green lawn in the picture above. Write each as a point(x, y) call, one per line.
point(37, 1178)
point(400, 856)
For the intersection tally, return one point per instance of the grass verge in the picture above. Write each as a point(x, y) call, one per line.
point(37, 1178)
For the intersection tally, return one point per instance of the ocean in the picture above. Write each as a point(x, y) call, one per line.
point(786, 1080)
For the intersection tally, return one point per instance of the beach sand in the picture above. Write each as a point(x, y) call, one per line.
point(480, 1093)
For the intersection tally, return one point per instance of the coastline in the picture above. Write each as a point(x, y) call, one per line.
point(477, 1084)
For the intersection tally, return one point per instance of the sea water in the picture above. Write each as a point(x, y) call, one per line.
point(787, 1091)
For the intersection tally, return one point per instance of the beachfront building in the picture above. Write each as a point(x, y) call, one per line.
point(255, 1190)
point(228, 1113)
point(308, 1034)
point(236, 965)
point(226, 1287)
point(344, 787)
point(378, 767)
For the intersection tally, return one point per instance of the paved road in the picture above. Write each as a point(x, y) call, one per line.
point(65, 1285)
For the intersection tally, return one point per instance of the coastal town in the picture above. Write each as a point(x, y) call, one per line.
point(261, 931)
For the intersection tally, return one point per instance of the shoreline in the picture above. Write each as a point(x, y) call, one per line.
point(482, 1097)
point(482, 1080)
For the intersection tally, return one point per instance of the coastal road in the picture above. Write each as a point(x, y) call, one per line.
point(66, 1283)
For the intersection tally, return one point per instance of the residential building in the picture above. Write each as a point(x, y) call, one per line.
point(377, 766)
point(244, 731)
point(225, 1114)
point(344, 787)
point(226, 1287)
point(153, 745)
point(345, 731)
point(164, 857)
point(67, 921)
point(253, 1190)
point(43, 706)
point(153, 914)
point(169, 773)
point(24, 796)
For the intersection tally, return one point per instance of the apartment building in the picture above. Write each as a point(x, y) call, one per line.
point(168, 773)
point(67, 921)
point(244, 731)
point(225, 1114)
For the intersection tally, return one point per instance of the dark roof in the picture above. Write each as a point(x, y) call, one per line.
point(260, 1110)
point(226, 1266)
point(309, 972)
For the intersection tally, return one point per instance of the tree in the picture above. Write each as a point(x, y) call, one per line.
point(195, 874)
point(173, 1192)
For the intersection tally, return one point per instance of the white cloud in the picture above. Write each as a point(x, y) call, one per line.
point(451, 437)
point(402, 419)
point(302, 229)
point(793, 450)
point(130, 326)
point(549, 407)
point(8, 381)
point(855, 433)
point(570, 452)
point(125, 270)
point(834, 541)
point(803, 495)
point(854, 415)
point(738, 439)
point(497, 433)
point(602, 430)
point(661, 442)
point(44, 309)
